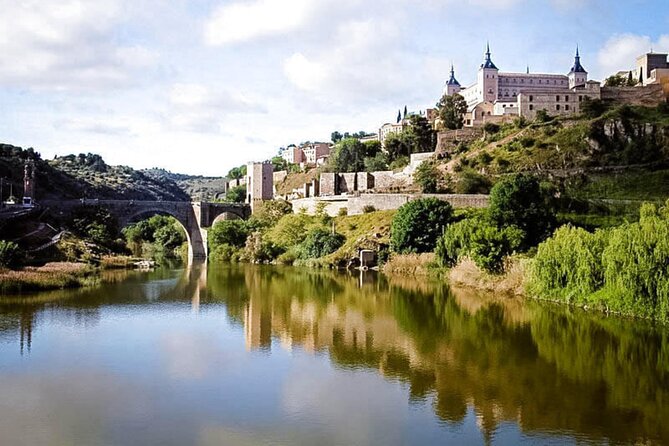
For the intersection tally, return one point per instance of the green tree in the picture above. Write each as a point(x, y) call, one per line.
point(418, 224)
point(451, 109)
point(521, 200)
point(236, 194)
point(376, 163)
point(319, 242)
point(420, 136)
point(397, 145)
point(9, 254)
point(615, 81)
point(336, 137)
point(237, 172)
point(279, 163)
point(427, 177)
point(348, 156)
point(228, 232)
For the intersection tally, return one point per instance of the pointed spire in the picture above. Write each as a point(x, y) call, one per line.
point(577, 68)
point(488, 61)
point(528, 69)
point(453, 80)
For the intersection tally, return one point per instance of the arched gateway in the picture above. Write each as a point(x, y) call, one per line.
point(193, 216)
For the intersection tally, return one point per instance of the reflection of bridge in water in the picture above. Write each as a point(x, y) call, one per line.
point(194, 217)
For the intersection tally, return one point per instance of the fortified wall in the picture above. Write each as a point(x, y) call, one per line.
point(648, 96)
point(382, 202)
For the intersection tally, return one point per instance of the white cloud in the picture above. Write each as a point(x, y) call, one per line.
point(620, 51)
point(241, 21)
point(65, 44)
point(197, 107)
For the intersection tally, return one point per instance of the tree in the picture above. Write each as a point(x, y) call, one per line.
point(376, 163)
point(372, 148)
point(521, 200)
point(237, 172)
point(396, 145)
point(320, 242)
point(236, 194)
point(228, 232)
point(615, 81)
point(336, 137)
point(418, 224)
point(427, 177)
point(405, 112)
point(421, 137)
point(399, 116)
point(348, 156)
point(451, 109)
point(279, 163)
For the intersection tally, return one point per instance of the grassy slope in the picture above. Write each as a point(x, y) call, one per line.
point(371, 230)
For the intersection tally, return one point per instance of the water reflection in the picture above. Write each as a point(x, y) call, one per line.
point(515, 371)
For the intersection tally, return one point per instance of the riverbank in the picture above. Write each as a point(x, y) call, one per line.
point(60, 275)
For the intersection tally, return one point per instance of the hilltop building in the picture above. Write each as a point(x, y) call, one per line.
point(651, 69)
point(498, 94)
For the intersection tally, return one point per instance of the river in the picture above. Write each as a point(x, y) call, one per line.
point(265, 355)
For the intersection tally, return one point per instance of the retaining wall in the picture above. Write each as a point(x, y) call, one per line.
point(382, 202)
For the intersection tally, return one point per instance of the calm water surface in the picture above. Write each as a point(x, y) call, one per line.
point(251, 355)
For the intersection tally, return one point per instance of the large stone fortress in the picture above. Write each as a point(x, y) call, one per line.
point(496, 94)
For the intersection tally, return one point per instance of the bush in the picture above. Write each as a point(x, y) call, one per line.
point(471, 182)
point(225, 253)
point(486, 244)
point(427, 177)
point(319, 242)
point(271, 211)
point(228, 232)
point(289, 231)
point(9, 253)
point(236, 194)
point(342, 212)
point(491, 127)
point(368, 208)
point(520, 200)
point(418, 224)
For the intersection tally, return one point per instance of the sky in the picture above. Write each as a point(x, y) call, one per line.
point(200, 86)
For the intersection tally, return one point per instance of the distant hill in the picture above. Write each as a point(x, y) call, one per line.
point(199, 188)
point(83, 176)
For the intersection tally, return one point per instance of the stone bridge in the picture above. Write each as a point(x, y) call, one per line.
point(193, 216)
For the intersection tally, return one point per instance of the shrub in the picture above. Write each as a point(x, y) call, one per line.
point(491, 127)
point(9, 253)
point(427, 177)
point(289, 231)
point(471, 182)
point(271, 211)
point(225, 253)
point(319, 242)
point(259, 250)
point(418, 224)
point(520, 200)
point(236, 194)
point(342, 212)
point(228, 232)
point(543, 116)
point(368, 208)
point(486, 244)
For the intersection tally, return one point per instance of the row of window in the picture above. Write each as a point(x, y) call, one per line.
point(522, 81)
point(557, 107)
point(557, 98)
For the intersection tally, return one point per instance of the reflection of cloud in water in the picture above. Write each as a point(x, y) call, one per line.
point(50, 410)
point(327, 399)
point(154, 289)
point(190, 355)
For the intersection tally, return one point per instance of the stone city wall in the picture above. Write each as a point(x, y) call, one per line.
point(648, 96)
point(355, 204)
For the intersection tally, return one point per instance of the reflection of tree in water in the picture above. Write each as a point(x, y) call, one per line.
point(544, 368)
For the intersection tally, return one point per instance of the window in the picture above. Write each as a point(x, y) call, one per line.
point(557, 98)
point(557, 107)
point(566, 107)
point(531, 98)
point(580, 98)
point(566, 98)
point(531, 107)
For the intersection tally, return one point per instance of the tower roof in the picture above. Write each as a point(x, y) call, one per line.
point(577, 68)
point(453, 80)
point(488, 61)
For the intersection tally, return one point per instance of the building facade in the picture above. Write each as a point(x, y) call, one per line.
point(293, 155)
point(496, 94)
point(259, 183)
point(315, 152)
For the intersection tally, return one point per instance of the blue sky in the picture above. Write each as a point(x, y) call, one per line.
point(201, 86)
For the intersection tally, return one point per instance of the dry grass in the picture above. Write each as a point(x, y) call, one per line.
point(467, 274)
point(51, 276)
point(410, 264)
point(117, 262)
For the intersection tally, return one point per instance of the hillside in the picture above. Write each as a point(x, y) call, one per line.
point(199, 188)
point(623, 147)
point(83, 176)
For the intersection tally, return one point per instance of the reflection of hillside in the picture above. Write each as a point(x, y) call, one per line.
point(21, 315)
point(543, 368)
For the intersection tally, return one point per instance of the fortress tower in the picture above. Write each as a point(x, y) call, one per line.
point(29, 183)
point(259, 184)
point(452, 86)
point(488, 78)
point(577, 75)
